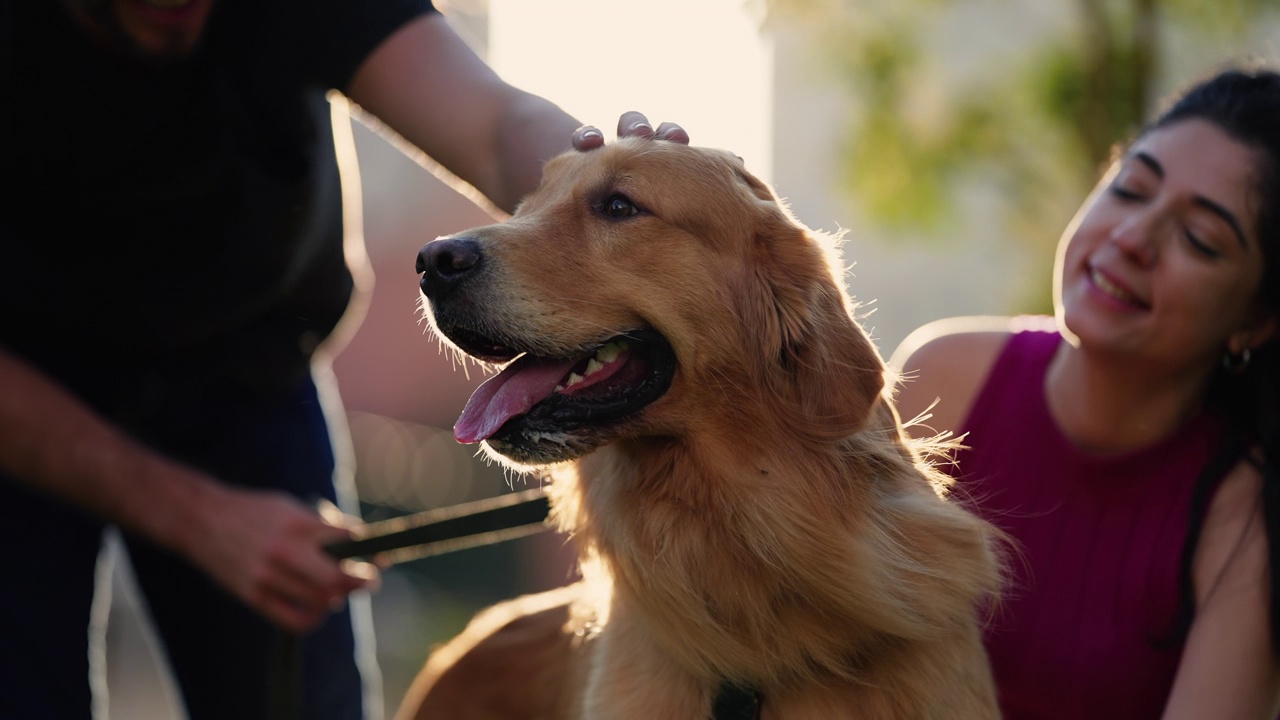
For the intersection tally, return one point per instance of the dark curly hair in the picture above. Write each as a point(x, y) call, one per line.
point(1244, 103)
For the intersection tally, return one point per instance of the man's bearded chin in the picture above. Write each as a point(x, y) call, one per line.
point(102, 19)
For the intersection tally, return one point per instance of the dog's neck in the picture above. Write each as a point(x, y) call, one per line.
point(774, 571)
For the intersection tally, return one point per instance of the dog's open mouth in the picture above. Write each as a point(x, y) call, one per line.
point(537, 400)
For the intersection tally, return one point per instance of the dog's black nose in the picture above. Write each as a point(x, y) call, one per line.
point(443, 263)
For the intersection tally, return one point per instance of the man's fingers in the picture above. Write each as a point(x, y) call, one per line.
point(334, 516)
point(630, 124)
point(290, 602)
point(309, 576)
point(587, 137)
point(290, 615)
point(299, 586)
point(296, 603)
point(672, 132)
point(634, 124)
point(361, 574)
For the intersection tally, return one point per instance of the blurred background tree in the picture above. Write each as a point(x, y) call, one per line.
point(1038, 124)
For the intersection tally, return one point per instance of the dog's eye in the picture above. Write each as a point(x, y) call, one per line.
point(618, 206)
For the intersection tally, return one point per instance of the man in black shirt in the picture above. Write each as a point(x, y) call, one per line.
point(171, 258)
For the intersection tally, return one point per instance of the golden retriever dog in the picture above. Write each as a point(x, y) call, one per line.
point(754, 528)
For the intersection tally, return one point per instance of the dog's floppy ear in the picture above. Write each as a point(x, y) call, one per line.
point(815, 358)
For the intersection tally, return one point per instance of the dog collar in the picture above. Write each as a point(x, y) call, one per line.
point(736, 702)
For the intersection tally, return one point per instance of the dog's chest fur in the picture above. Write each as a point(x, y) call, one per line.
point(714, 575)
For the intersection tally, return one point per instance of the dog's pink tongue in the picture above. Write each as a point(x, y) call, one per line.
point(512, 392)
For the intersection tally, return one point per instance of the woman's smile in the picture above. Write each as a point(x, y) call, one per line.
point(1115, 291)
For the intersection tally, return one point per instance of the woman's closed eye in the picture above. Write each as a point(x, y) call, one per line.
point(1199, 245)
point(1206, 232)
point(1125, 193)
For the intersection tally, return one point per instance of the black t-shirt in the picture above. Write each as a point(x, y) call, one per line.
point(163, 215)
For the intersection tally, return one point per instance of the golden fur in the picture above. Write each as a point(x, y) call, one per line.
point(764, 521)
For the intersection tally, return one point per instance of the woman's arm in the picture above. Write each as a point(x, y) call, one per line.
point(942, 367)
point(1228, 667)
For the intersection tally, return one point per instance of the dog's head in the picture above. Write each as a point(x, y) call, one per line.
point(645, 289)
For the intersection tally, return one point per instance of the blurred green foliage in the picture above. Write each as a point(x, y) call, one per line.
point(1044, 121)
point(1058, 84)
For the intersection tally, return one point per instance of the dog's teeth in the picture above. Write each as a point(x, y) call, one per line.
point(609, 353)
point(594, 366)
point(559, 388)
point(574, 379)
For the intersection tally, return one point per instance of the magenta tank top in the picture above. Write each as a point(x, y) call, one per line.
point(1093, 587)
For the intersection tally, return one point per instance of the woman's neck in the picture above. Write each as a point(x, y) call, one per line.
point(1110, 405)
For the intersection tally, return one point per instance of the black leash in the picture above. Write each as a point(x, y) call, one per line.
point(439, 531)
point(423, 534)
point(456, 527)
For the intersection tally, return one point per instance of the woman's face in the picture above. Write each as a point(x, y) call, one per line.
point(1163, 262)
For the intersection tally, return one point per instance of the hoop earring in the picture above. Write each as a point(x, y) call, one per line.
point(1234, 363)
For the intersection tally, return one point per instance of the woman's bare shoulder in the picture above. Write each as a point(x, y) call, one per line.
point(941, 366)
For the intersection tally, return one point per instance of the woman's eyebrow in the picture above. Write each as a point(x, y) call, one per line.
point(1227, 216)
point(1150, 162)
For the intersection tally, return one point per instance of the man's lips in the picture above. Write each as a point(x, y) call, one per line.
point(168, 11)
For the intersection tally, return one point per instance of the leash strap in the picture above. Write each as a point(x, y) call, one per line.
point(420, 535)
point(451, 528)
